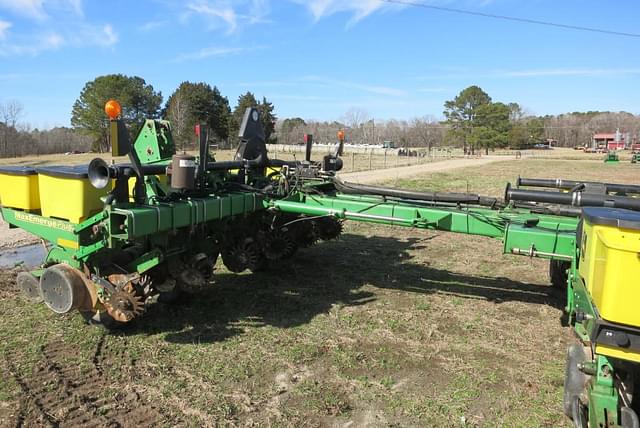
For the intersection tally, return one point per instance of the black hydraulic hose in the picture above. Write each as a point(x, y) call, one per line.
point(571, 184)
point(280, 163)
point(362, 189)
point(239, 164)
point(576, 199)
point(116, 171)
point(558, 210)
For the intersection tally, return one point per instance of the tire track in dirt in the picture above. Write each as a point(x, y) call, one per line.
point(58, 393)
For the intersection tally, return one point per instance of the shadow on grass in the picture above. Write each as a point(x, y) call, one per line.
point(317, 278)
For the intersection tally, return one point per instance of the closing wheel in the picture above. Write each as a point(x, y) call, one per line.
point(629, 418)
point(328, 228)
point(29, 285)
point(579, 413)
point(63, 289)
point(244, 254)
point(574, 380)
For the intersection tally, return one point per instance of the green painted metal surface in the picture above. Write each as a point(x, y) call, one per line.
point(49, 229)
point(602, 396)
point(154, 142)
point(135, 221)
point(518, 229)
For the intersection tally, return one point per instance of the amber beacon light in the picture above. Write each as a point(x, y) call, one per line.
point(112, 109)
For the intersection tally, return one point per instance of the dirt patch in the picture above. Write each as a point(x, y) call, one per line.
point(60, 393)
point(7, 283)
point(11, 238)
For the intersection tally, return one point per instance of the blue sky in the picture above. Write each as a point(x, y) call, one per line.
point(318, 58)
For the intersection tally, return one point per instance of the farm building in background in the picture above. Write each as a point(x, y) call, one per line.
point(611, 140)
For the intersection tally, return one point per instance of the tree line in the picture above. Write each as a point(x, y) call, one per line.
point(190, 104)
point(472, 120)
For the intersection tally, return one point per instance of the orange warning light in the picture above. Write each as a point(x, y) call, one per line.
point(112, 109)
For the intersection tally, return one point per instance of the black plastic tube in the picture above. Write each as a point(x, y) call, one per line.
point(362, 189)
point(576, 199)
point(571, 184)
point(238, 164)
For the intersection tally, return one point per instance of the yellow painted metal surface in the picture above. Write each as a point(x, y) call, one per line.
point(71, 199)
point(622, 354)
point(132, 184)
point(610, 268)
point(268, 171)
point(20, 191)
point(67, 243)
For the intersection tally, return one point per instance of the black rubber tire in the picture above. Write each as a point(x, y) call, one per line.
point(574, 380)
point(558, 274)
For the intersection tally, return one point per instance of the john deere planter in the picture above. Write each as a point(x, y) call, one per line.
point(119, 236)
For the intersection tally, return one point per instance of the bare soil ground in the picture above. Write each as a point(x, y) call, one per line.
point(11, 238)
point(384, 327)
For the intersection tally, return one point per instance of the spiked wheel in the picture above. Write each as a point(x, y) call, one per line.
point(328, 228)
point(245, 254)
point(279, 244)
point(305, 234)
point(191, 280)
point(124, 305)
point(204, 264)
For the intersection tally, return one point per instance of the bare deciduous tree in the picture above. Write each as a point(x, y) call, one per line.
point(10, 112)
point(178, 115)
point(427, 131)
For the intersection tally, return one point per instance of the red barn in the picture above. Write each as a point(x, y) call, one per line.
point(610, 141)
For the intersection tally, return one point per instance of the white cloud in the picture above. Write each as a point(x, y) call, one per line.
point(91, 35)
point(257, 11)
point(209, 52)
point(152, 25)
point(38, 9)
point(39, 44)
point(4, 29)
point(110, 36)
point(58, 24)
point(82, 36)
point(359, 9)
point(218, 13)
point(29, 8)
point(230, 15)
point(52, 41)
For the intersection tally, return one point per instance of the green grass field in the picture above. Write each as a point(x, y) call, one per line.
point(384, 327)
